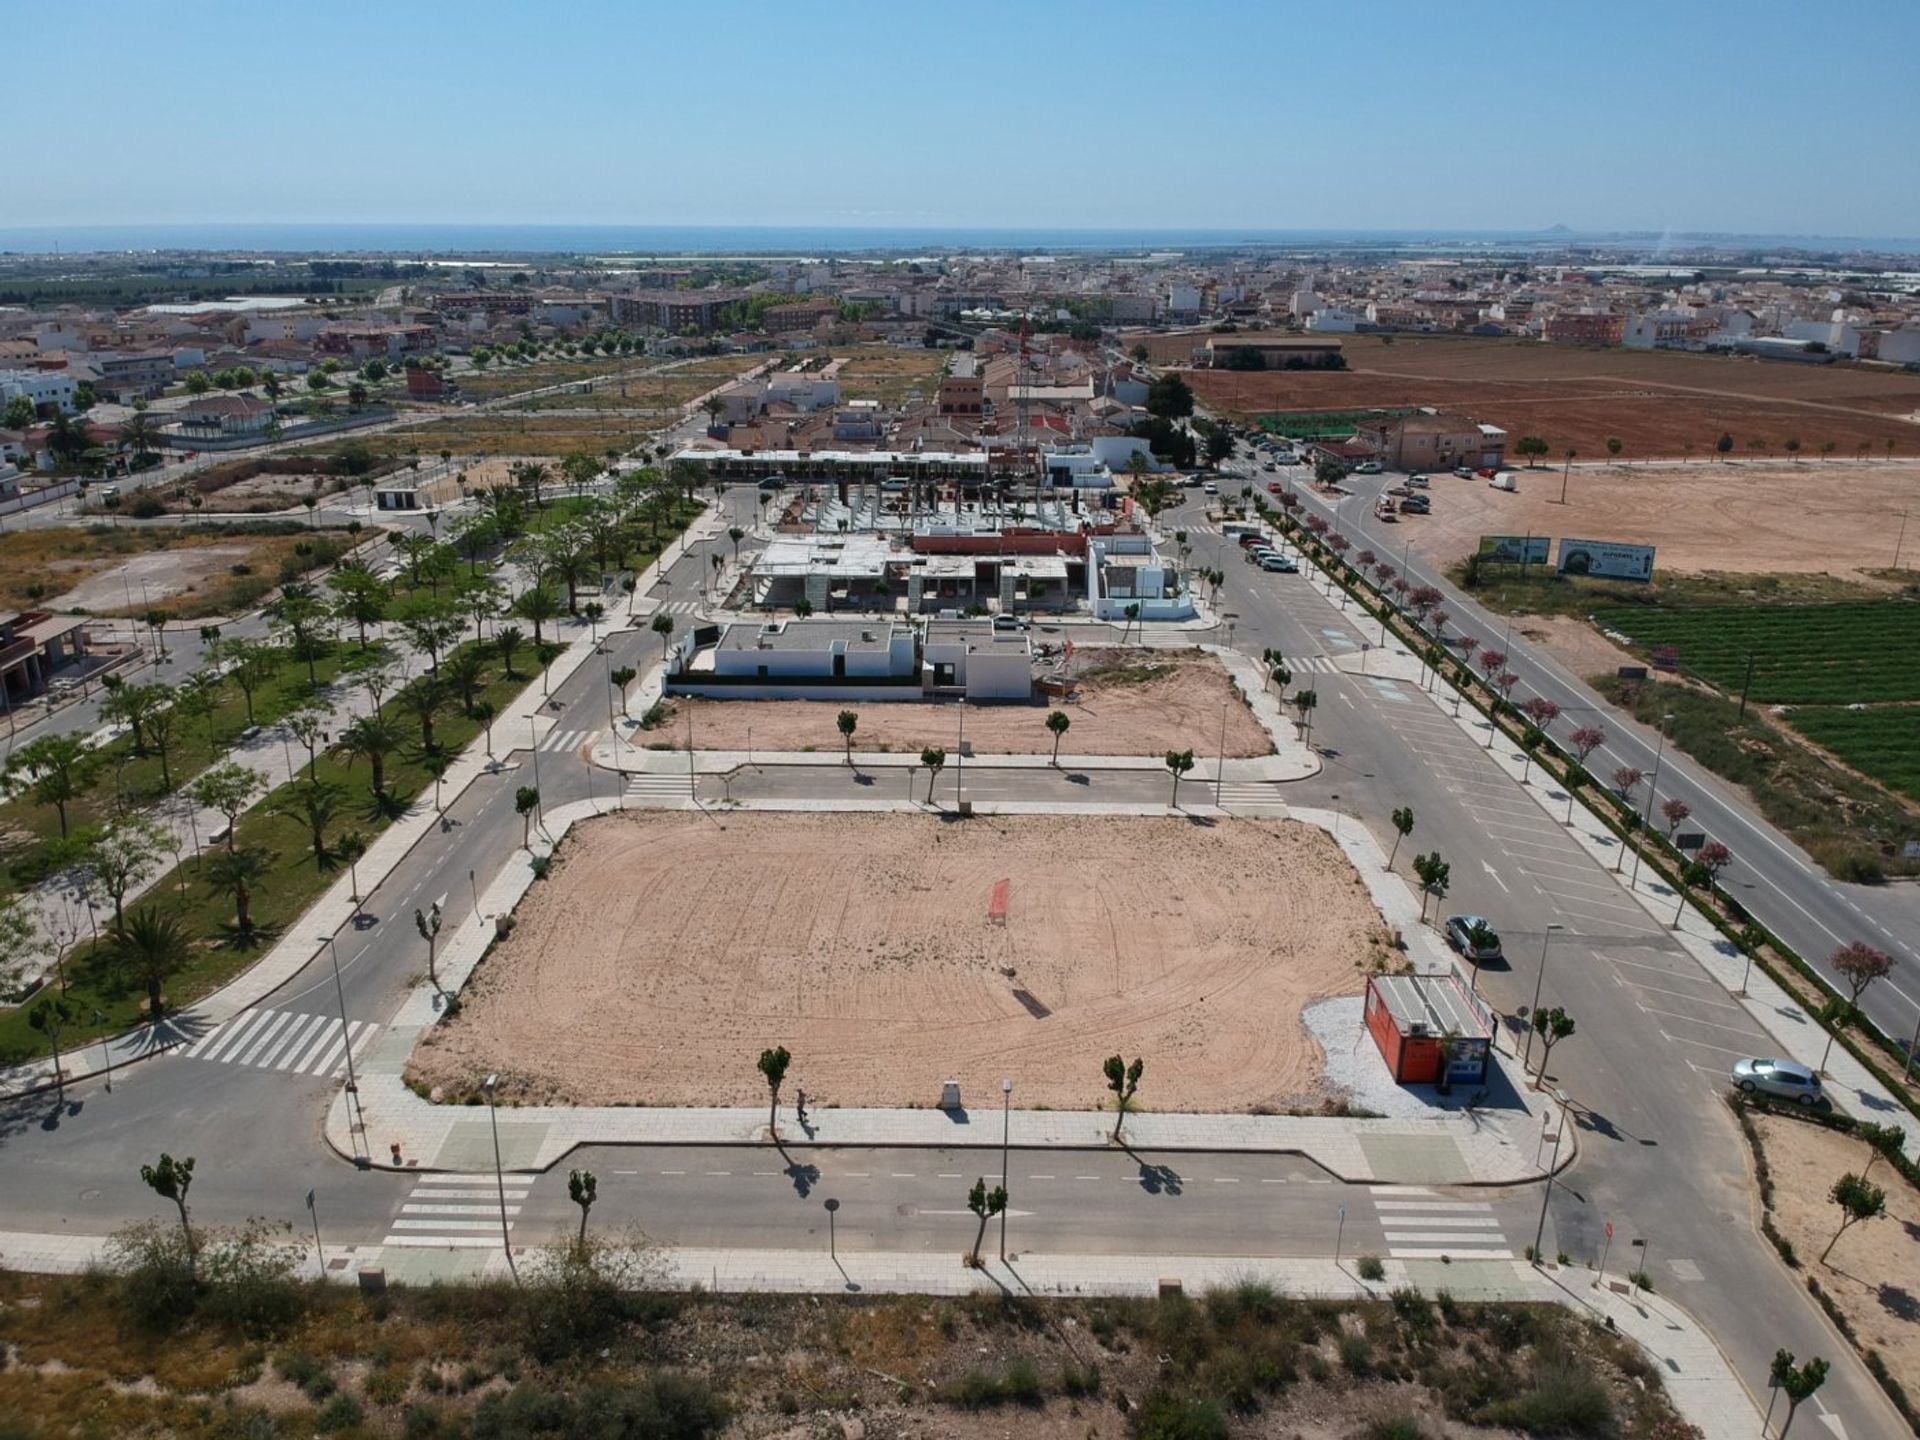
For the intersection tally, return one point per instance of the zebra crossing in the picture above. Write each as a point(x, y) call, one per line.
point(1420, 1224)
point(677, 607)
point(659, 789)
point(456, 1212)
point(1249, 795)
point(284, 1040)
point(559, 741)
point(1311, 665)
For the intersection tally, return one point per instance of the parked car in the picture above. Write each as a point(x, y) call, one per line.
point(1782, 1079)
point(1416, 505)
point(1417, 481)
point(1011, 622)
point(1209, 488)
point(1465, 472)
point(1474, 938)
point(1367, 467)
point(1400, 489)
point(1278, 564)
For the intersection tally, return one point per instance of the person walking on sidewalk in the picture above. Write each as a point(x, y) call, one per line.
point(800, 1106)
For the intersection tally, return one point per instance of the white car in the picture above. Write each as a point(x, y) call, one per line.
point(1367, 467)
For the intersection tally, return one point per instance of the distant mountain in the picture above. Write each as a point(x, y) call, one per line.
point(1556, 230)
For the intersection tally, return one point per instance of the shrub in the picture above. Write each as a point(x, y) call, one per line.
point(248, 1281)
point(342, 1412)
point(1164, 1415)
point(1563, 1397)
point(307, 1374)
point(157, 1290)
point(1356, 1354)
point(666, 1405)
point(1079, 1380)
point(1396, 1427)
point(1371, 1268)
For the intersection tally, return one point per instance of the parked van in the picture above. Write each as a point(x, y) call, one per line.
point(1505, 480)
point(1367, 467)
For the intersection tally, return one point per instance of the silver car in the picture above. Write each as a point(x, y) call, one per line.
point(1782, 1079)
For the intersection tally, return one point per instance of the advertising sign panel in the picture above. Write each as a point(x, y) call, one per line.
point(1515, 549)
point(1606, 560)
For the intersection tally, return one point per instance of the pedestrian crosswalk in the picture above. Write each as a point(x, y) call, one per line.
point(1250, 795)
point(659, 789)
point(458, 1212)
point(284, 1040)
point(1420, 1224)
point(1311, 665)
point(677, 607)
point(560, 741)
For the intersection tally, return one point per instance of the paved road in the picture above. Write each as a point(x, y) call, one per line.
point(1792, 895)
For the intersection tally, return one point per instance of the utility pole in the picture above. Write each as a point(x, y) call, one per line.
point(1746, 684)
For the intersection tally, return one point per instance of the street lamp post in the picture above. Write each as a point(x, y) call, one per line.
point(1533, 1015)
point(1006, 1127)
point(346, 1033)
point(490, 1084)
point(106, 1055)
point(1546, 1195)
point(1653, 785)
point(1220, 775)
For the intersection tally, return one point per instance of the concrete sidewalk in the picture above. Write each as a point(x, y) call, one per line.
point(1703, 1386)
point(307, 937)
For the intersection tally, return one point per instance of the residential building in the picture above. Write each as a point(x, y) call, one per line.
point(225, 415)
point(1434, 440)
point(47, 390)
point(676, 311)
point(961, 396)
point(140, 376)
point(800, 315)
point(34, 646)
point(1659, 330)
point(1584, 327)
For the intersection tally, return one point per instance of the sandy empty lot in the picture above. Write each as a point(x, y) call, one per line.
point(1131, 702)
point(1746, 517)
point(1873, 1274)
point(129, 585)
point(665, 952)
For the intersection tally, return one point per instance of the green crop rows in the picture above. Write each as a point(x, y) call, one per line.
point(1845, 654)
point(1883, 743)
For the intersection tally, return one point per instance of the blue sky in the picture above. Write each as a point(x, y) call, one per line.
point(1765, 116)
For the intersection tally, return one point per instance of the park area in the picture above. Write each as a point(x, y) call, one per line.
point(1658, 403)
point(1127, 702)
point(890, 953)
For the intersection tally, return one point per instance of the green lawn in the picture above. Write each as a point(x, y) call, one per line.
point(1882, 741)
point(295, 881)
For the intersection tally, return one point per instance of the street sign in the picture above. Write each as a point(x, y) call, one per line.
point(1689, 840)
point(1911, 850)
point(1631, 672)
point(1666, 657)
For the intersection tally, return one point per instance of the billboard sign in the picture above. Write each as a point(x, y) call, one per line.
point(1606, 560)
point(1515, 549)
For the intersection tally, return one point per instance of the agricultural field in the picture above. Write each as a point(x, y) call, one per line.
point(515, 433)
point(1657, 403)
point(1844, 654)
point(1882, 741)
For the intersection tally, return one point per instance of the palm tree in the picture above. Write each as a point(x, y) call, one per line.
point(153, 946)
point(1058, 722)
point(423, 700)
point(237, 872)
point(317, 802)
point(466, 673)
point(537, 606)
point(372, 738)
point(507, 640)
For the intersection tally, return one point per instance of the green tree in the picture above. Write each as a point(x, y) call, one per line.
point(1402, 827)
point(50, 1015)
point(1799, 1383)
point(773, 1068)
point(526, 800)
point(847, 721)
point(935, 759)
point(431, 626)
point(359, 598)
point(1058, 722)
point(122, 856)
point(663, 627)
point(132, 706)
point(1276, 664)
point(307, 722)
point(1724, 445)
point(583, 1189)
point(372, 738)
point(1434, 875)
point(1552, 1026)
point(1615, 445)
point(466, 675)
point(984, 1203)
point(305, 622)
point(170, 1180)
point(19, 414)
point(1123, 1080)
point(350, 848)
point(57, 769)
point(251, 663)
point(507, 640)
point(228, 788)
point(1531, 446)
point(316, 802)
point(424, 699)
point(1170, 397)
point(1306, 701)
point(21, 950)
point(427, 922)
point(1858, 1200)
point(152, 946)
point(236, 872)
point(1178, 763)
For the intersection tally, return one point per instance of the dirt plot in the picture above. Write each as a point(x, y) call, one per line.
point(1130, 702)
point(865, 945)
point(1873, 1274)
point(1657, 403)
point(1748, 517)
